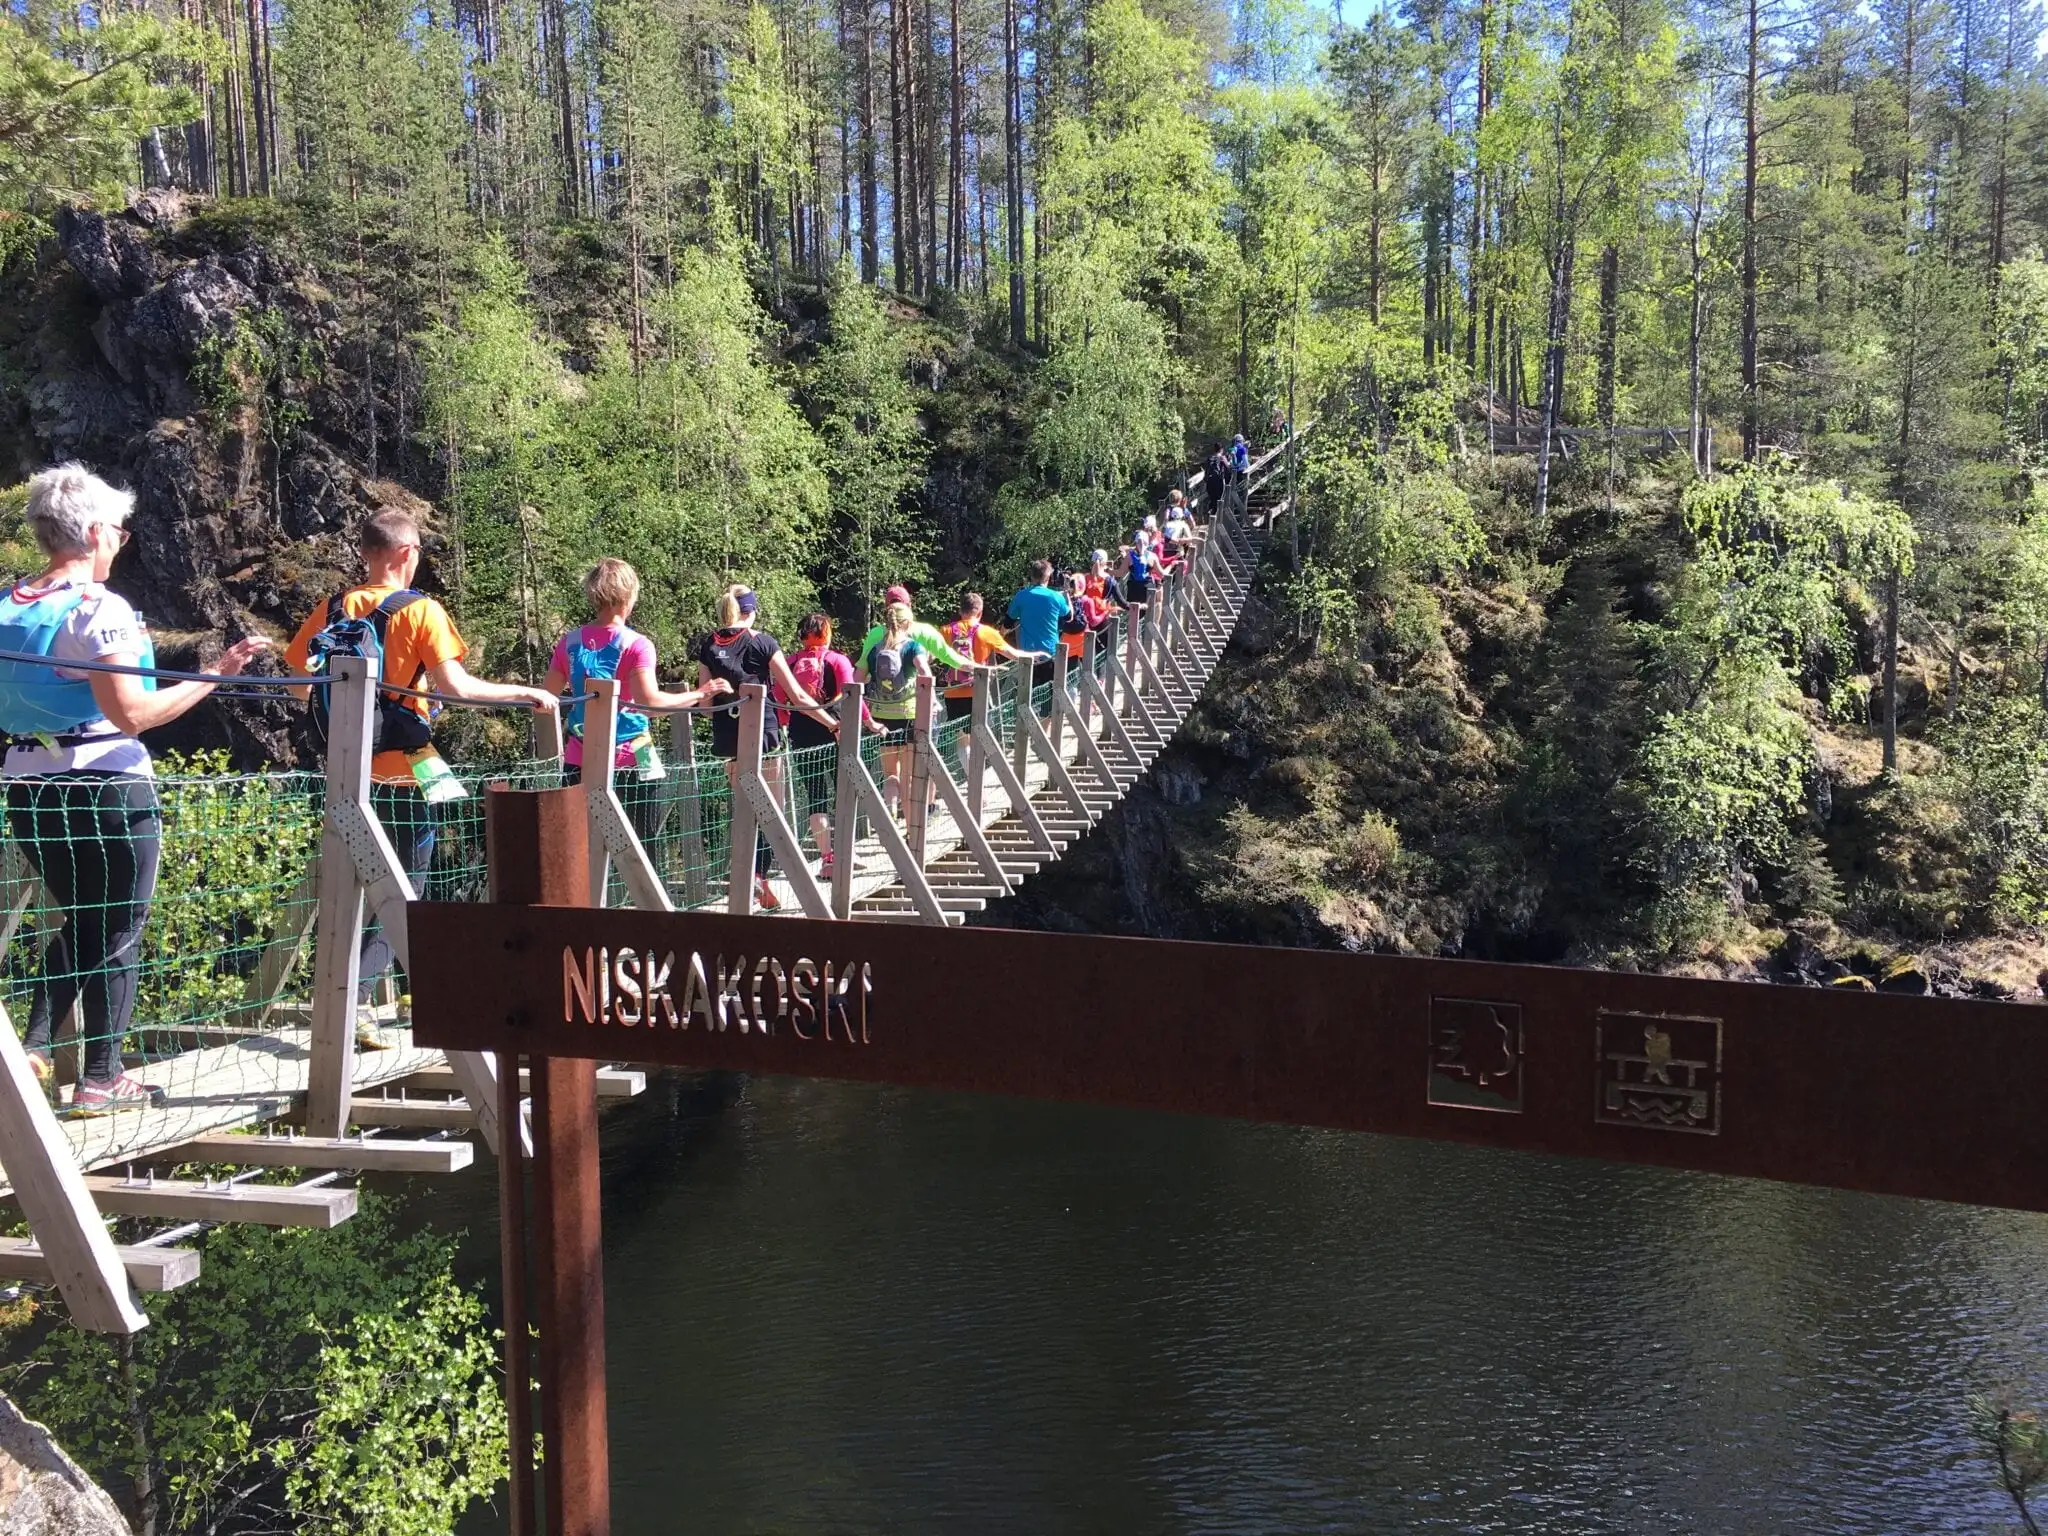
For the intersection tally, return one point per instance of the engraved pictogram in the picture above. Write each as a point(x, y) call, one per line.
point(1475, 1054)
point(1658, 1071)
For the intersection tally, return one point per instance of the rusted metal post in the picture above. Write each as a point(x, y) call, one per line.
point(538, 845)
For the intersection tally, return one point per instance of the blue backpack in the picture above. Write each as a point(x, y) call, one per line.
point(588, 661)
point(34, 700)
point(394, 726)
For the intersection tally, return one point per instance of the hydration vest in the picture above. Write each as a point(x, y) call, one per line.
point(34, 700)
point(954, 677)
point(588, 661)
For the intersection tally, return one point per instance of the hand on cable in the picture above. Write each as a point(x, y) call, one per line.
point(538, 698)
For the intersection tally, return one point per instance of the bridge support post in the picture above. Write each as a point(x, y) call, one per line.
point(1020, 736)
point(846, 804)
point(613, 842)
point(538, 848)
point(978, 731)
point(763, 815)
point(917, 794)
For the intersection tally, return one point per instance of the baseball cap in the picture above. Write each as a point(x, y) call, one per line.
point(748, 601)
point(897, 594)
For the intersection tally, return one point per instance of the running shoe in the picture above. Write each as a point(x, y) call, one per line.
point(825, 867)
point(764, 895)
point(124, 1092)
point(44, 1070)
point(370, 1036)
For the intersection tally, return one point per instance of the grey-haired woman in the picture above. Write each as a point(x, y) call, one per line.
point(81, 792)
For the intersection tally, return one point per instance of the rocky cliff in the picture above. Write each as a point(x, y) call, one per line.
point(42, 1491)
point(187, 360)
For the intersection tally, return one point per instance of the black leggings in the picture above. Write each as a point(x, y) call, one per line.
point(94, 840)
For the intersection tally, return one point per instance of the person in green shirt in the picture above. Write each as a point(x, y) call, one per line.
point(930, 638)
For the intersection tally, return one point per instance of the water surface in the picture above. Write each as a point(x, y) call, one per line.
point(838, 1308)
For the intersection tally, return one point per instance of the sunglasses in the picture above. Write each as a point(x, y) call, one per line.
point(121, 535)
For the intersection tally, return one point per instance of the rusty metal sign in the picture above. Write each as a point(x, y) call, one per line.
point(1898, 1095)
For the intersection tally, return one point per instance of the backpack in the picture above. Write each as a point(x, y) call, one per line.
point(1075, 622)
point(895, 682)
point(588, 661)
point(808, 667)
point(34, 700)
point(963, 643)
point(393, 726)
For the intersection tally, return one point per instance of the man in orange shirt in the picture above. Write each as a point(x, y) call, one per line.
point(421, 650)
point(972, 638)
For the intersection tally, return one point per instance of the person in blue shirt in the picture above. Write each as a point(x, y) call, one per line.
point(1038, 610)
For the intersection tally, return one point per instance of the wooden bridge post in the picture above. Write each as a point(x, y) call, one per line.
point(359, 870)
point(600, 747)
point(978, 731)
point(917, 792)
point(1059, 689)
point(846, 801)
point(1087, 700)
point(1020, 736)
point(739, 872)
point(613, 842)
point(337, 959)
point(538, 850)
point(764, 816)
point(682, 741)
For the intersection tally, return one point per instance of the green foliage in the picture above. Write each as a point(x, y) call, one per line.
point(1721, 783)
point(1996, 771)
point(308, 1380)
point(868, 425)
point(253, 374)
point(73, 102)
point(233, 848)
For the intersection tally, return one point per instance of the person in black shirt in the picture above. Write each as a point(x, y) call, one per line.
point(740, 654)
point(1215, 476)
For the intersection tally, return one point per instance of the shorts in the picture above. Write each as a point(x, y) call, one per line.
point(896, 733)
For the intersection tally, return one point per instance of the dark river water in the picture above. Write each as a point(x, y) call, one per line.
point(836, 1308)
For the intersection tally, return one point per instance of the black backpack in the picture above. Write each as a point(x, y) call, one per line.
point(393, 726)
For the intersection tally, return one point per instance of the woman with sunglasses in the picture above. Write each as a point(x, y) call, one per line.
point(81, 792)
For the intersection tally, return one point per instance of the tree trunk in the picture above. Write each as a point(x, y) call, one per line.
point(1555, 333)
point(1610, 348)
point(1891, 671)
point(1752, 388)
point(896, 217)
point(956, 154)
point(259, 96)
point(870, 180)
point(556, 25)
point(1013, 169)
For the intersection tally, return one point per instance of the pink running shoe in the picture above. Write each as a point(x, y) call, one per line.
point(764, 895)
point(124, 1092)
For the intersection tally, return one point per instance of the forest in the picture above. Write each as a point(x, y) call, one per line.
point(1668, 573)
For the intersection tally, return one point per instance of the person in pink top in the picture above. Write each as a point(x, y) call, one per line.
point(607, 648)
point(824, 674)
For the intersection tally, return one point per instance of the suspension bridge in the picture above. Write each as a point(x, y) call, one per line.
point(246, 1016)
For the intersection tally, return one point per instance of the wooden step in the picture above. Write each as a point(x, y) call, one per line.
point(415, 1114)
point(149, 1269)
point(265, 1205)
point(375, 1154)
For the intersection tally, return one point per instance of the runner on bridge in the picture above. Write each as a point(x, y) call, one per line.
point(1039, 610)
point(606, 648)
point(824, 674)
point(81, 791)
point(739, 653)
point(420, 648)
